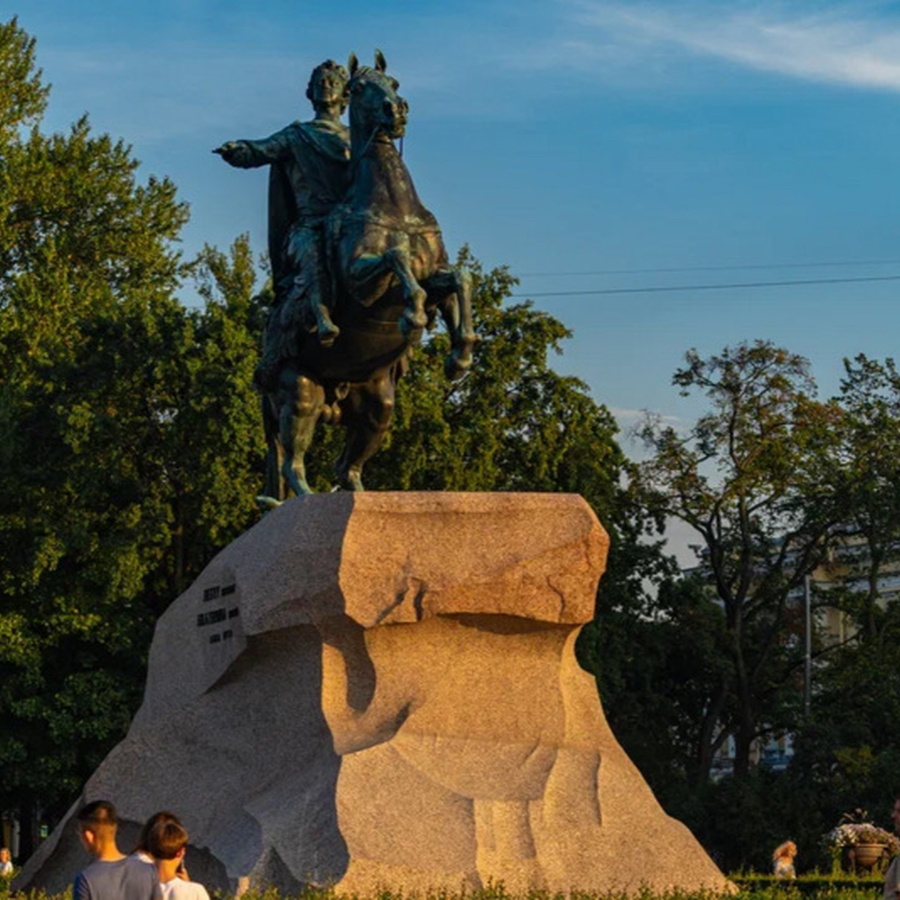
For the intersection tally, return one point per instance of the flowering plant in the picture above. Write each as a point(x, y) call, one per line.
point(849, 834)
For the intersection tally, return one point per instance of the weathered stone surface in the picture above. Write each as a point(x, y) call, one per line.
point(376, 688)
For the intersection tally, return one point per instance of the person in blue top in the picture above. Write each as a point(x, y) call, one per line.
point(112, 875)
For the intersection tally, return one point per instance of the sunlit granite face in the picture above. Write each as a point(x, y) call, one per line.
point(381, 689)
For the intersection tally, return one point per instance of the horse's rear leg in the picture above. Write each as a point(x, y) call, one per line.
point(367, 413)
point(273, 490)
point(300, 411)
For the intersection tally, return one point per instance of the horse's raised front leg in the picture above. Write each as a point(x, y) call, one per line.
point(368, 268)
point(302, 402)
point(451, 290)
point(367, 413)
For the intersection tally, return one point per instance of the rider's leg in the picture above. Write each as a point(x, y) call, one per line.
point(316, 295)
point(305, 305)
point(302, 405)
point(326, 330)
point(305, 310)
point(368, 412)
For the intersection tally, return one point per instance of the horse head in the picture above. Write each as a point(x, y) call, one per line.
point(376, 109)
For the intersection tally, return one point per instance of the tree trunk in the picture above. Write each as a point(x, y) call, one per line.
point(178, 537)
point(743, 744)
point(707, 745)
point(28, 827)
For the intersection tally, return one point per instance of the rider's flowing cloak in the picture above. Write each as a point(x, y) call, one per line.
point(308, 176)
point(320, 150)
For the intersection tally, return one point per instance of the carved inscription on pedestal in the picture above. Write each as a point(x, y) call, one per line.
point(219, 614)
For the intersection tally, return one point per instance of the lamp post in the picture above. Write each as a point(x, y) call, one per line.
point(807, 681)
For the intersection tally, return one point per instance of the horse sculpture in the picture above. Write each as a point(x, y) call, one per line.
point(390, 278)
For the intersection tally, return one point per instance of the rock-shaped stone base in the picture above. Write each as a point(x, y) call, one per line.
point(381, 689)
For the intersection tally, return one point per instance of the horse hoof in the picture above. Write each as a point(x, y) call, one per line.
point(455, 368)
point(412, 321)
point(353, 480)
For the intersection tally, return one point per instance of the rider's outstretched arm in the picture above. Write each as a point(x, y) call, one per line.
point(247, 154)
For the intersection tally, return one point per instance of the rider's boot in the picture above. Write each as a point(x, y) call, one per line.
point(326, 330)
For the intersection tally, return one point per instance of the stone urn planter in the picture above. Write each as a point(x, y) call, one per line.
point(866, 855)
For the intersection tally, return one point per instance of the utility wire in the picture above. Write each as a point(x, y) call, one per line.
point(666, 288)
point(649, 271)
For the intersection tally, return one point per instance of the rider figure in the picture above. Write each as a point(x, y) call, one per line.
point(309, 174)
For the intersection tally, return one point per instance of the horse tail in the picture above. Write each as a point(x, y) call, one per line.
point(278, 348)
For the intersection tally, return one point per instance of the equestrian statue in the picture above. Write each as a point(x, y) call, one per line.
point(359, 269)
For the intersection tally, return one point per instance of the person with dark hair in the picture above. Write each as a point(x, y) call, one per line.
point(167, 843)
point(112, 875)
point(892, 876)
point(141, 850)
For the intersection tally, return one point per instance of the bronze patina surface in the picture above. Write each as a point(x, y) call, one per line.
point(359, 269)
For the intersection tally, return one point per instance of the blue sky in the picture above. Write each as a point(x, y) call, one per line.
point(735, 141)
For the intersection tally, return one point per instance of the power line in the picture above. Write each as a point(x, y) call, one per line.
point(666, 288)
point(670, 269)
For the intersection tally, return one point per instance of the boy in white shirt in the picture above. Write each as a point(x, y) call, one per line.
point(167, 842)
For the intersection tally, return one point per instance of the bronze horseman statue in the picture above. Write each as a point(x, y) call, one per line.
point(359, 269)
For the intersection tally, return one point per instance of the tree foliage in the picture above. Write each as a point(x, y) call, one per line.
point(128, 432)
point(865, 475)
point(846, 756)
point(775, 484)
point(748, 478)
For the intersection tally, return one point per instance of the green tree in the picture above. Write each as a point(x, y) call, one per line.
point(209, 419)
point(748, 478)
point(655, 684)
point(866, 475)
point(845, 750)
point(128, 433)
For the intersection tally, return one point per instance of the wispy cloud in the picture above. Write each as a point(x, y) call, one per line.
point(624, 414)
point(176, 78)
point(631, 420)
point(849, 44)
